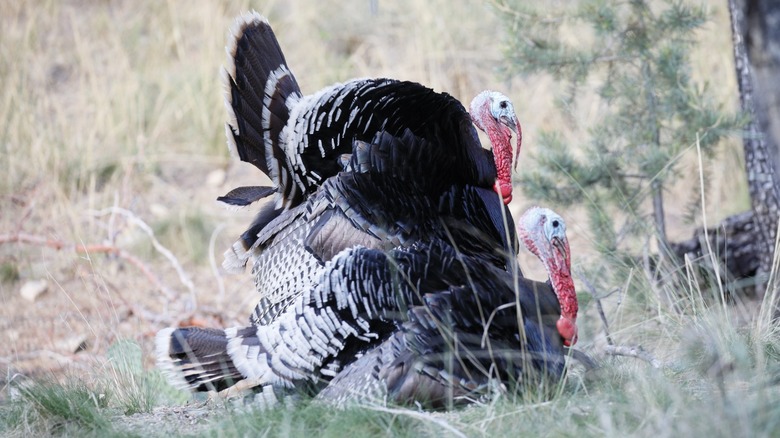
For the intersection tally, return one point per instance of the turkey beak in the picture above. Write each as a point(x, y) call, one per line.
point(514, 124)
point(509, 122)
point(560, 246)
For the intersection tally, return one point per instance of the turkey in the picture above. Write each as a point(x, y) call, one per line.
point(543, 232)
point(300, 141)
point(430, 289)
point(390, 196)
point(403, 187)
point(446, 353)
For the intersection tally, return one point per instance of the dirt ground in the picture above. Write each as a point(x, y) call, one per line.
point(93, 298)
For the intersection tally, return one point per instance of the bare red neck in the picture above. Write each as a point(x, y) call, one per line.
point(553, 251)
point(563, 285)
point(500, 136)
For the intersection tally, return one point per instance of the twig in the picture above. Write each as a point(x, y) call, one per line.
point(183, 277)
point(625, 288)
point(60, 358)
point(32, 239)
point(599, 307)
point(583, 358)
point(213, 263)
point(633, 351)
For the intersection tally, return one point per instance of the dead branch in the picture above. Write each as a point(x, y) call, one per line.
point(633, 351)
point(584, 359)
point(31, 239)
point(130, 216)
point(33, 355)
point(213, 264)
point(596, 298)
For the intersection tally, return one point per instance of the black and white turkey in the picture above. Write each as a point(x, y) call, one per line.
point(464, 339)
point(403, 189)
point(396, 191)
point(422, 324)
point(300, 141)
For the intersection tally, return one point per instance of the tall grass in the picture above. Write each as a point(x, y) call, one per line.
point(719, 378)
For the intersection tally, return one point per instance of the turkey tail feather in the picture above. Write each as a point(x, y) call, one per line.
point(195, 358)
point(245, 195)
point(259, 92)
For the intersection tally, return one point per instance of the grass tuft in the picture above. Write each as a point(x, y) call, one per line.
point(136, 389)
point(308, 419)
point(51, 407)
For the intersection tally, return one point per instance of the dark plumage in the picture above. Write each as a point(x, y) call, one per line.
point(406, 312)
point(387, 199)
point(300, 141)
point(448, 239)
point(490, 328)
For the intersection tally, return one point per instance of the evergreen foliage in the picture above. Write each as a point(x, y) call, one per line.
point(637, 54)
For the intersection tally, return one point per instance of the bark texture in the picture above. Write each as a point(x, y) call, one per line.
point(744, 243)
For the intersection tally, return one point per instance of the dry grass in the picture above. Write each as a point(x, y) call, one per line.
point(109, 104)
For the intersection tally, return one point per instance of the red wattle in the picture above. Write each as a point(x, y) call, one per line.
point(504, 190)
point(568, 331)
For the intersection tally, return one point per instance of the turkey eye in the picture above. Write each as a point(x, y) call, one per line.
point(555, 224)
point(502, 104)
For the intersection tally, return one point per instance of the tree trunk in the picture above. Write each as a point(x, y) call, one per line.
point(759, 103)
point(744, 243)
point(762, 43)
point(734, 244)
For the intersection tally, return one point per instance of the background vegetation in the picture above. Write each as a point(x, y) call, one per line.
point(113, 151)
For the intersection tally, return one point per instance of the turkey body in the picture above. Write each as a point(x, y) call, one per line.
point(391, 196)
point(300, 141)
point(449, 352)
point(417, 324)
point(467, 338)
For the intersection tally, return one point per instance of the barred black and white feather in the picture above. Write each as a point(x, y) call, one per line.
point(362, 296)
point(196, 358)
point(448, 352)
point(388, 198)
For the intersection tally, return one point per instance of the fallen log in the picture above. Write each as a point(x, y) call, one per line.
point(734, 243)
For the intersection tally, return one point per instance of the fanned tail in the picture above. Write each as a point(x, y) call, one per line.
point(195, 358)
point(260, 90)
